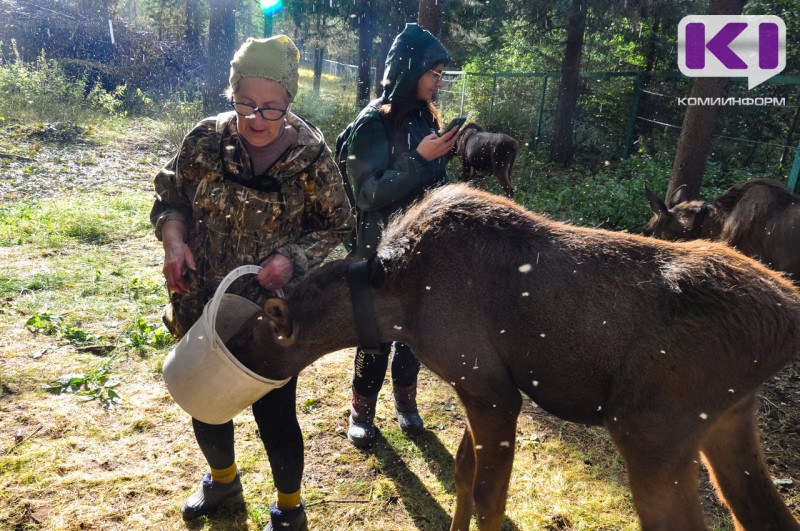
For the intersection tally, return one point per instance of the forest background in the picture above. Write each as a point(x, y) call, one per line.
point(95, 96)
point(613, 88)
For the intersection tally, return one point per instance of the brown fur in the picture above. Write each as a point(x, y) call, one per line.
point(665, 344)
point(761, 218)
point(482, 152)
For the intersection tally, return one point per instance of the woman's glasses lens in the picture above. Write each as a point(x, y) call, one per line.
point(248, 111)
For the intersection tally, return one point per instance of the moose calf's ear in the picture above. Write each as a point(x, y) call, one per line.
point(680, 195)
point(280, 320)
point(656, 204)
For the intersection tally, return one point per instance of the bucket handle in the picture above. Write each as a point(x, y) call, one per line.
point(213, 306)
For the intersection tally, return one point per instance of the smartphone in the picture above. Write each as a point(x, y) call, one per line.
point(457, 123)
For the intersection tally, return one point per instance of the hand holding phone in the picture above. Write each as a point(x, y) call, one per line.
point(457, 123)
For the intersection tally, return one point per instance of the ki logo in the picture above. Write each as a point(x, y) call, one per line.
point(752, 46)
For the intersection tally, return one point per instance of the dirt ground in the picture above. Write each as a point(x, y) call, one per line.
point(157, 464)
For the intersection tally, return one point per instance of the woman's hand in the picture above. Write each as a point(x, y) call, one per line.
point(276, 272)
point(434, 146)
point(177, 256)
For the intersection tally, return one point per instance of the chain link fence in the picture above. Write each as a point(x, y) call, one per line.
point(620, 113)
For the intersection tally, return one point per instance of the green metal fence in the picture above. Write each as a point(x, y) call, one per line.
point(758, 137)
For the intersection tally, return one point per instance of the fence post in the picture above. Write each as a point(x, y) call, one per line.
point(541, 113)
point(637, 92)
point(463, 92)
point(494, 89)
point(793, 183)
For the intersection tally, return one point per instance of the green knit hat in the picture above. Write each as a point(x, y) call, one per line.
point(275, 58)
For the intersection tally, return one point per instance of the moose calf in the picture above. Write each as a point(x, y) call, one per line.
point(665, 344)
point(481, 152)
point(761, 218)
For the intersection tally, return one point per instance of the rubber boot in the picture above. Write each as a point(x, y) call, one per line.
point(287, 520)
point(405, 406)
point(209, 497)
point(361, 430)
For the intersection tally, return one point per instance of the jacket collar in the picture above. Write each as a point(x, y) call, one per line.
point(310, 145)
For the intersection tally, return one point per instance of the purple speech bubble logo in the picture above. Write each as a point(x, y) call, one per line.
point(732, 46)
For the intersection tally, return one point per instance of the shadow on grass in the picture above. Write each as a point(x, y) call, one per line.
point(232, 516)
point(419, 502)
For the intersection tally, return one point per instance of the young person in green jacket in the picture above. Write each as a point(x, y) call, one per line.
point(394, 156)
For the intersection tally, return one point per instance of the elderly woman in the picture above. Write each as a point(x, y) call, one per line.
point(394, 157)
point(255, 185)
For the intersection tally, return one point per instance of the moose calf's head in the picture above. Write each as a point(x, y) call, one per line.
point(681, 220)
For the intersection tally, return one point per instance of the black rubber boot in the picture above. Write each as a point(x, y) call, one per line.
point(210, 497)
point(361, 430)
point(405, 406)
point(291, 520)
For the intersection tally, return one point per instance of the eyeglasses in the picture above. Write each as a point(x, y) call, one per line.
point(249, 111)
point(437, 75)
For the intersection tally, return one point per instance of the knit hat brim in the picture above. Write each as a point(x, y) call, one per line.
point(276, 58)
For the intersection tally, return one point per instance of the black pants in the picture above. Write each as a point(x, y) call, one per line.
point(370, 369)
point(276, 416)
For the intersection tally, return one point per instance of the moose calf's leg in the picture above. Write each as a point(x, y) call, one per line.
point(466, 171)
point(737, 468)
point(465, 473)
point(662, 461)
point(504, 177)
point(493, 423)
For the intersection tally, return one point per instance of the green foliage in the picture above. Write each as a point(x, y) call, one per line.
point(96, 219)
point(309, 405)
point(44, 323)
point(141, 336)
point(48, 324)
point(184, 111)
point(32, 91)
point(330, 110)
point(97, 384)
point(613, 198)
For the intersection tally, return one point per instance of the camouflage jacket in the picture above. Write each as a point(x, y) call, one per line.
point(298, 209)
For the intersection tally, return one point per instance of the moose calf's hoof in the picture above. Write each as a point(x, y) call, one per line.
point(209, 497)
point(361, 434)
point(410, 422)
point(283, 520)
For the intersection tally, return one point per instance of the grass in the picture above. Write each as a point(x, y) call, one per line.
point(83, 264)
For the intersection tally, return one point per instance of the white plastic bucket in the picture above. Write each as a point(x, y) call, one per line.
point(203, 377)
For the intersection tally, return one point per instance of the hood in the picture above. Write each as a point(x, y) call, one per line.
point(413, 52)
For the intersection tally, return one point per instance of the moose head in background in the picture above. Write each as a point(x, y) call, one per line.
point(761, 218)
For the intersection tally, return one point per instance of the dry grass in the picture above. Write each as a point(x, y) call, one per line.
point(67, 464)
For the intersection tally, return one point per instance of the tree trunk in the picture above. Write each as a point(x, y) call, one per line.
point(646, 128)
point(221, 44)
point(319, 58)
point(699, 121)
point(562, 147)
point(789, 137)
point(192, 17)
point(366, 34)
point(430, 15)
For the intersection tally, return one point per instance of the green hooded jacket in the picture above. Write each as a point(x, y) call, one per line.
point(386, 171)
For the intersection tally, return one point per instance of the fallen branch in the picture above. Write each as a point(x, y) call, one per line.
point(19, 440)
point(323, 502)
point(17, 157)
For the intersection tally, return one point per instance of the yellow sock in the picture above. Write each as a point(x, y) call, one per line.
point(287, 502)
point(225, 475)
